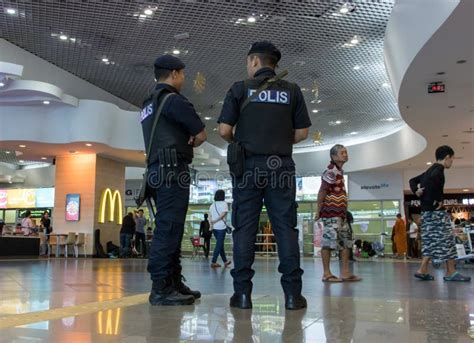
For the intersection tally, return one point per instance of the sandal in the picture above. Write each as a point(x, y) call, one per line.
point(215, 265)
point(331, 279)
point(424, 277)
point(352, 278)
point(456, 276)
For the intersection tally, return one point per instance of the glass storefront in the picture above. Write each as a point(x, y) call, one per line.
point(371, 218)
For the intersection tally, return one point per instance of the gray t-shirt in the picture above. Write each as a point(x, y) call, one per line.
point(141, 222)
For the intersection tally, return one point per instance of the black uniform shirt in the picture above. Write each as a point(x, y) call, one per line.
point(177, 109)
point(236, 95)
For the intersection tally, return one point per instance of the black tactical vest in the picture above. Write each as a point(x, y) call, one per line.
point(168, 134)
point(265, 125)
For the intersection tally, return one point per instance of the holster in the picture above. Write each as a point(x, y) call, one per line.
point(236, 159)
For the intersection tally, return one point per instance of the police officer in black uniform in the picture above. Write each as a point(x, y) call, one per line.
point(178, 129)
point(266, 127)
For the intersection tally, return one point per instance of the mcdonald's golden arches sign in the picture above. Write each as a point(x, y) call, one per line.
point(111, 201)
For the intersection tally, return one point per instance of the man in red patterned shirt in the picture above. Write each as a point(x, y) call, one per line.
point(332, 209)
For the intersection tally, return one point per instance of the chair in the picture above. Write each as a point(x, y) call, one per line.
point(43, 243)
point(80, 242)
point(53, 241)
point(70, 241)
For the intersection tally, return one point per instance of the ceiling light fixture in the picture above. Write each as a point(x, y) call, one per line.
point(46, 102)
point(43, 158)
point(315, 111)
point(217, 169)
point(176, 52)
point(251, 19)
point(353, 133)
point(21, 161)
point(105, 59)
point(357, 67)
point(142, 16)
point(88, 144)
point(344, 10)
point(390, 119)
point(203, 164)
point(319, 101)
point(11, 11)
point(355, 40)
point(465, 190)
point(148, 11)
point(22, 146)
point(63, 37)
point(338, 122)
point(7, 152)
point(2, 84)
point(207, 118)
point(386, 85)
point(429, 163)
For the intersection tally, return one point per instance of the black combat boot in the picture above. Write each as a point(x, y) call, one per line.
point(164, 293)
point(183, 289)
point(242, 301)
point(295, 302)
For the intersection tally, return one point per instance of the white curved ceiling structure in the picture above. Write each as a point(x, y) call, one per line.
point(429, 45)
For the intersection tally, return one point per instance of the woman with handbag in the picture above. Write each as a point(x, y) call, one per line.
point(218, 212)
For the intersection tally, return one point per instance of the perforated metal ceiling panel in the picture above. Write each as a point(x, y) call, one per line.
point(113, 45)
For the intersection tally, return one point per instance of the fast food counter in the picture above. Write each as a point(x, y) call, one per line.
point(18, 245)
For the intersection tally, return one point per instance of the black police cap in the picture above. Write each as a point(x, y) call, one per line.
point(265, 47)
point(169, 62)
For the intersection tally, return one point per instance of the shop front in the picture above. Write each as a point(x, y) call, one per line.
point(14, 203)
point(374, 200)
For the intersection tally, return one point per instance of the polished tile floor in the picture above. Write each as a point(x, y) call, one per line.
point(89, 300)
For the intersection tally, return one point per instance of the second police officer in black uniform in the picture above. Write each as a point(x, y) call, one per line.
point(260, 159)
point(178, 129)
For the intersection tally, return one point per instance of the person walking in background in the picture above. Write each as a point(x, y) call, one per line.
point(332, 210)
point(437, 237)
point(126, 234)
point(140, 239)
point(205, 233)
point(27, 225)
point(400, 237)
point(412, 234)
point(46, 225)
point(218, 211)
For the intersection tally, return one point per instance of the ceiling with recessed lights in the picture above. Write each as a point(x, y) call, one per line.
point(333, 50)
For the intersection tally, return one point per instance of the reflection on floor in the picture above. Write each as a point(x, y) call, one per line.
point(105, 301)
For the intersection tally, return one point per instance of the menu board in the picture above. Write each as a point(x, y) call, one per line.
point(27, 198)
point(73, 207)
